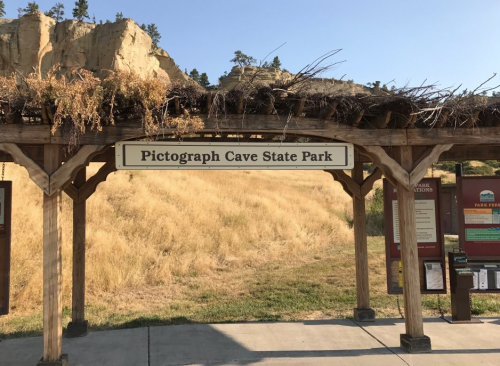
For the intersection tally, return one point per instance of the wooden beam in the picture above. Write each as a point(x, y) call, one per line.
point(240, 105)
point(67, 172)
point(472, 119)
point(25, 134)
point(91, 184)
point(177, 106)
point(35, 171)
point(357, 118)
point(328, 111)
point(348, 184)
point(409, 249)
point(392, 170)
point(442, 119)
point(299, 107)
point(456, 136)
point(52, 264)
point(368, 183)
point(79, 217)
point(208, 103)
point(381, 121)
point(360, 242)
point(420, 170)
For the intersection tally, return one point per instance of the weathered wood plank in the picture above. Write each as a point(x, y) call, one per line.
point(360, 242)
point(79, 217)
point(409, 249)
point(67, 172)
point(368, 183)
point(456, 136)
point(102, 174)
point(25, 134)
point(348, 184)
point(420, 170)
point(300, 126)
point(52, 264)
point(36, 172)
point(392, 170)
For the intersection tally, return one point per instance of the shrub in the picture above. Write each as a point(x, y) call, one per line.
point(375, 214)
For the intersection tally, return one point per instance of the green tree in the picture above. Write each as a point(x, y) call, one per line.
point(2, 9)
point(195, 75)
point(276, 63)
point(81, 10)
point(153, 32)
point(242, 60)
point(119, 16)
point(56, 12)
point(31, 8)
point(204, 80)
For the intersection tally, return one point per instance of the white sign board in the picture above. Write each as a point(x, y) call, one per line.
point(139, 155)
point(425, 214)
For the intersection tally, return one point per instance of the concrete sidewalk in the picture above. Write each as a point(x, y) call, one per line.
point(308, 343)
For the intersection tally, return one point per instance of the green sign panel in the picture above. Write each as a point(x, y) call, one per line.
point(492, 234)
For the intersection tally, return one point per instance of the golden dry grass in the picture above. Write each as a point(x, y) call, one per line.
point(145, 230)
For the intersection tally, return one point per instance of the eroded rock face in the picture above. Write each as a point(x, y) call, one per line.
point(240, 75)
point(36, 43)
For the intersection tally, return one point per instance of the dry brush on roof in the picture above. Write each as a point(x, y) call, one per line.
point(86, 102)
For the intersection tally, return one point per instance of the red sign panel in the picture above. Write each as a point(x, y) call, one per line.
point(479, 216)
point(429, 237)
point(5, 219)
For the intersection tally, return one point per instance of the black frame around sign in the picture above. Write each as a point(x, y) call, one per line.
point(5, 246)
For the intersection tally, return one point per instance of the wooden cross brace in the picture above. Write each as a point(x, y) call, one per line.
point(351, 187)
point(80, 194)
point(56, 181)
point(395, 173)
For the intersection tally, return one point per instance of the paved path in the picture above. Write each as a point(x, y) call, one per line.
point(308, 343)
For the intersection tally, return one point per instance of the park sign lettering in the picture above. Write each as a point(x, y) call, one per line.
point(138, 155)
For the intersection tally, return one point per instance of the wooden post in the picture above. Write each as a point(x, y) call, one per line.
point(363, 312)
point(78, 326)
point(414, 340)
point(52, 266)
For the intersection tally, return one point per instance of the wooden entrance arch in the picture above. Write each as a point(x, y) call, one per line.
point(401, 145)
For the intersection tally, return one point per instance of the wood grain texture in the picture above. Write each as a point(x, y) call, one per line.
point(429, 158)
point(79, 218)
point(348, 184)
point(409, 249)
point(67, 172)
point(36, 173)
point(368, 183)
point(392, 170)
point(52, 264)
point(360, 242)
point(25, 134)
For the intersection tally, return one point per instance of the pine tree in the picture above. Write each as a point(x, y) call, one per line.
point(2, 9)
point(80, 11)
point(195, 75)
point(155, 35)
point(276, 63)
point(31, 8)
point(56, 12)
point(119, 16)
point(241, 59)
point(204, 80)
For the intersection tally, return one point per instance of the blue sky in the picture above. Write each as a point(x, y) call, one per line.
point(449, 42)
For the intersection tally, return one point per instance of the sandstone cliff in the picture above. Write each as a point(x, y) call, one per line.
point(35, 43)
point(240, 75)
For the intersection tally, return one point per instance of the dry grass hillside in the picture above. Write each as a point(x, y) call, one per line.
point(144, 229)
point(202, 246)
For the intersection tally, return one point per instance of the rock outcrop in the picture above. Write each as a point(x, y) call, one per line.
point(36, 42)
point(240, 75)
